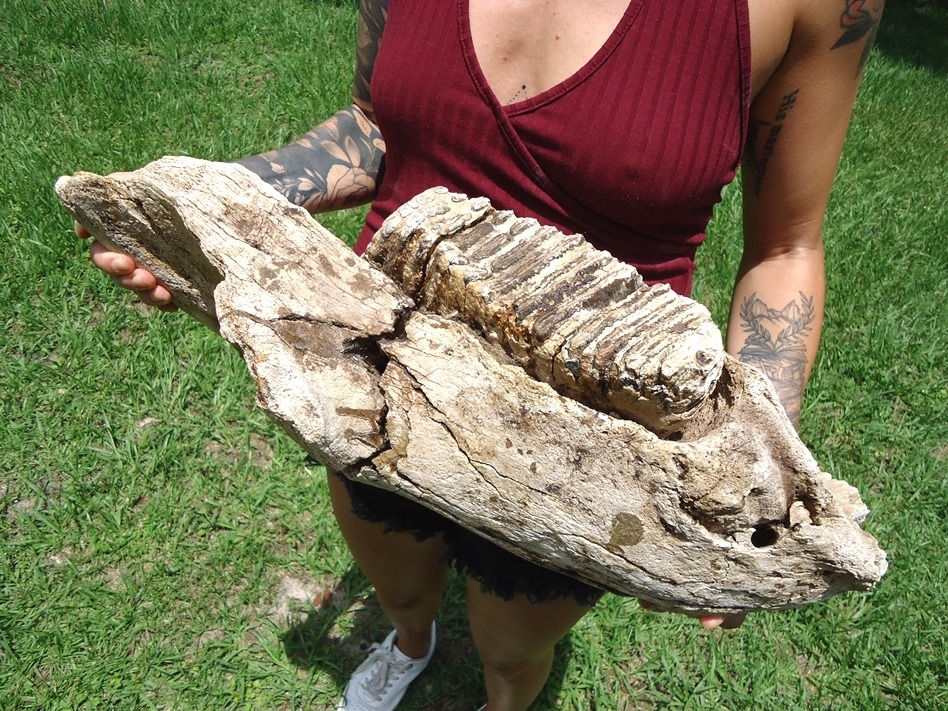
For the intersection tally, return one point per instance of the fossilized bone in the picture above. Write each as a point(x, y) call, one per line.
point(662, 468)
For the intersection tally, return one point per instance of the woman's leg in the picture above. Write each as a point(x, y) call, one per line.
point(515, 640)
point(408, 575)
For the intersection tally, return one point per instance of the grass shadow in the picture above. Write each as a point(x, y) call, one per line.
point(312, 642)
point(916, 32)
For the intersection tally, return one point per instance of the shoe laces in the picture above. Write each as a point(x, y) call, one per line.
point(385, 669)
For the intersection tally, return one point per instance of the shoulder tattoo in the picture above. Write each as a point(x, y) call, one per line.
point(860, 19)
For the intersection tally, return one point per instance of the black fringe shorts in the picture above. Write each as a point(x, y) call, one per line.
point(499, 572)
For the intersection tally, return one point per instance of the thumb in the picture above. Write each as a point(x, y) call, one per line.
point(81, 232)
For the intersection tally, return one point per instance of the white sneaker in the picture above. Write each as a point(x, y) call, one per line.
point(381, 680)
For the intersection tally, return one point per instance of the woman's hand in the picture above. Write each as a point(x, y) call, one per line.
point(125, 272)
point(727, 622)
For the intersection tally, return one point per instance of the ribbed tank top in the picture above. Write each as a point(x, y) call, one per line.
point(632, 150)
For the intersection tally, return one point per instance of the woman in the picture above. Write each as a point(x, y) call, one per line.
point(619, 120)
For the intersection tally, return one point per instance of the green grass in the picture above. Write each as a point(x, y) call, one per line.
point(161, 541)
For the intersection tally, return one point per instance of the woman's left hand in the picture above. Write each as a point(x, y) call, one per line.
point(709, 622)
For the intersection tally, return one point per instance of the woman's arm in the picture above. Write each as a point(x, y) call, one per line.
point(336, 164)
point(798, 123)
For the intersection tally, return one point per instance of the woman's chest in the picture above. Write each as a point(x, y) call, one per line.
point(642, 127)
point(526, 47)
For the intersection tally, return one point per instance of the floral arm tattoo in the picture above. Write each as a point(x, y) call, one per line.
point(776, 344)
point(372, 17)
point(337, 163)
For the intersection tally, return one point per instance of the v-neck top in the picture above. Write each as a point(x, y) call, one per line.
point(632, 150)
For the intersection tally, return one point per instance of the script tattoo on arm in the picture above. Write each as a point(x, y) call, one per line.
point(861, 18)
point(758, 154)
point(776, 344)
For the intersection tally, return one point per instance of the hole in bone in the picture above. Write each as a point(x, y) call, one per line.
point(763, 536)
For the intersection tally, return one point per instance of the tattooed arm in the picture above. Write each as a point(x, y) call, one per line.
point(335, 164)
point(798, 123)
point(799, 117)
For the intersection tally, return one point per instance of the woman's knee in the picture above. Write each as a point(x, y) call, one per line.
point(409, 593)
point(511, 665)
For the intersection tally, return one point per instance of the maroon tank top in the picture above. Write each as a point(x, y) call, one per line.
point(632, 151)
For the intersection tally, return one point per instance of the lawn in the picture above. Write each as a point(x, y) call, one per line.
point(164, 545)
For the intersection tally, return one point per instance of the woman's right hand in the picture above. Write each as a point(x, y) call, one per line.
point(125, 272)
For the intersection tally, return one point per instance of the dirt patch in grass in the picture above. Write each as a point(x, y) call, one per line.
point(261, 453)
point(215, 634)
point(941, 452)
point(18, 497)
point(258, 451)
point(297, 595)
